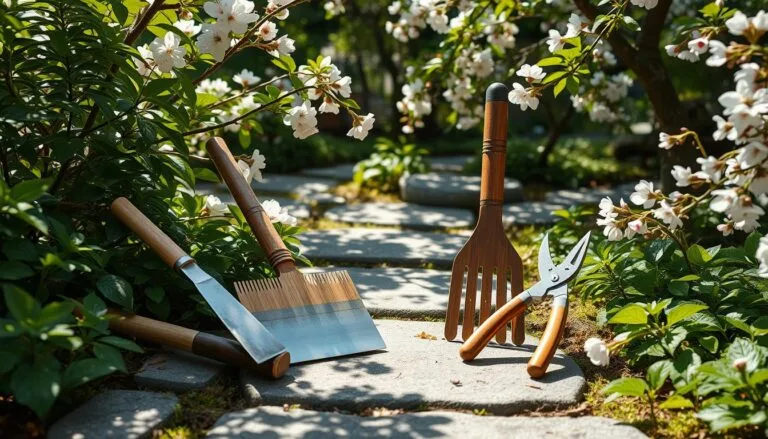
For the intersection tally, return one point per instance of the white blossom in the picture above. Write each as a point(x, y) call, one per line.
point(762, 256)
point(555, 41)
point(329, 106)
point(360, 128)
point(167, 53)
point(285, 46)
point(278, 214)
point(634, 227)
point(268, 31)
point(647, 4)
point(302, 118)
point(682, 175)
point(146, 64)
point(716, 54)
point(246, 78)
point(214, 206)
point(532, 73)
point(699, 45)
point(231, 15)
point(214, 40)
point(519, 95)
point(737, 24)
point(668, 215)
point(189, 27)
point(597, 351)
point(665, 142)
point(644, 194)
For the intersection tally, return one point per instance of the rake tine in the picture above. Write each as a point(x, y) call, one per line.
point(454, 300)
point(501, 299)
point(486, 291)
point(468, 323)
point(518, 323)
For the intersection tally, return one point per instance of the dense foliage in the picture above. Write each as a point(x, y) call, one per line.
point(390, 162)
point(108, 99)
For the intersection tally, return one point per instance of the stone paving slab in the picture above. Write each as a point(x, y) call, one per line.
point(297, 423)
point(399, 292)
point(116, 414)
point(179, 371)
point(322, 199)
point(376, 246)
point(408, 215)
point(289, 184)
point(453, 164)
point(572, 197)
point(451, 190)
point(416, 372)
point(531, 213)
point(341, 173)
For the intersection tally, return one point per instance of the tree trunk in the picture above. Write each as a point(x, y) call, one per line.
point(556, 128)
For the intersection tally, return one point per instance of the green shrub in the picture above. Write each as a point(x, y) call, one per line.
point(391, 161)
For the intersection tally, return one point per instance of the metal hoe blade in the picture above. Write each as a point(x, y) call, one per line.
point(252, 335)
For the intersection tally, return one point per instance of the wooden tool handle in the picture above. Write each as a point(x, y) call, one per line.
point(494, 144)
point(538, 364)
point(132, 217)
point(277, 254)
point(200, 343)
point(485, 332)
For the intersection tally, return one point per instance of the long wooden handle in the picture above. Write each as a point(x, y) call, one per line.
point(132, 217)
point(538, 364)
point(277, 254)
point(200, 343)
point(494, 144)
point(485, 332)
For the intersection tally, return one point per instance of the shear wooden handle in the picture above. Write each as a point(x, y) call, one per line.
point(538, 364)
point(277, 254)
point(494, 144)
point(485, 332)
point(163, 245)
point(200, 343)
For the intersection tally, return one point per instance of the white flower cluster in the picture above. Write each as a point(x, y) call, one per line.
point(603, 100)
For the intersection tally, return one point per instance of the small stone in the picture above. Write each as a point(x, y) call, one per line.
point(531, 213)
point(287, 184)
point(180, 371)
point(454, 164)
point(274, 422)
point(375, 246)
point(451, 190)
point(412, 216)
point(125, 414)
point(342, 172)
point(414, 372)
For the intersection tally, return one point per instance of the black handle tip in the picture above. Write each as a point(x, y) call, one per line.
point(496, 92)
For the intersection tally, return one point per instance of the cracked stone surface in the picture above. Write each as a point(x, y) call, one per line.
point(451, 190)
point(176, 370)
point(399, 292)
point(408, 215)
point(375, 246)
point(416, 372)
point(297, 423)
point(531, 213)
point(125, 414)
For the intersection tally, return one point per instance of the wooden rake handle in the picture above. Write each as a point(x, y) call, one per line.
point(200, 343)
point(158, 241)
point(494, 144)
point(277, 254)
point(542, 356)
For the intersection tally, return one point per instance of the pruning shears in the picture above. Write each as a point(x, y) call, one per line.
point(554, 283)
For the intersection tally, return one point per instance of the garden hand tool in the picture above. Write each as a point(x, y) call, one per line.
point(554, 282)
point(318, 315)
point(260, 344)
point(488, 249)
point(200, 343)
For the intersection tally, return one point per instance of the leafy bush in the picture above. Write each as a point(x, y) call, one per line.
point(391, 161)
point(576, 162)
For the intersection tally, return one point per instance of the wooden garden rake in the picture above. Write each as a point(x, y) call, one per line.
point(488, 252)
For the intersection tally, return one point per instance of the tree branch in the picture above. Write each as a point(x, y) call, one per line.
point(653, 24)
point(621, 47)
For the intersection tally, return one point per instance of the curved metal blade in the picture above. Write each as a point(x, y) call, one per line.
point(572, 263)
point(546, 266)
point(256, 339)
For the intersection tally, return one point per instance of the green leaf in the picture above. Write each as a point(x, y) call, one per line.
point(36, 387)
point(632, 314)
point(20, 249)
point(658, 373)
point(121, 343)
point(14, 270)
point(244, 137)
point(83, 371)
point(688, 278)
point(110, 355)
point(678, 289)
point(205, 174)
point(155, 293)
point(28, 190)
point(116, 289)
point(553, 76)
point(676, 402)
point(710, 343)
point(751, 244)
point(550, 61)
point(21, 304)
point(698, 255)
point(560, 86)
point(94, 304)
point(9, 328)
point(55, 313)
point(683, 311)
point(741, 348)
point(625, 387)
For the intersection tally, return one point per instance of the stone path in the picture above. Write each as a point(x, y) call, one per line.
point(297, 423)
point(116, 414)
point(415, 372)
point(451, 190)
point(346, 171)
point(376, 246)
point(419, 370)
point(412, 216)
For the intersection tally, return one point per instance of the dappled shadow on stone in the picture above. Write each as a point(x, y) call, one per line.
point(407, 215)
